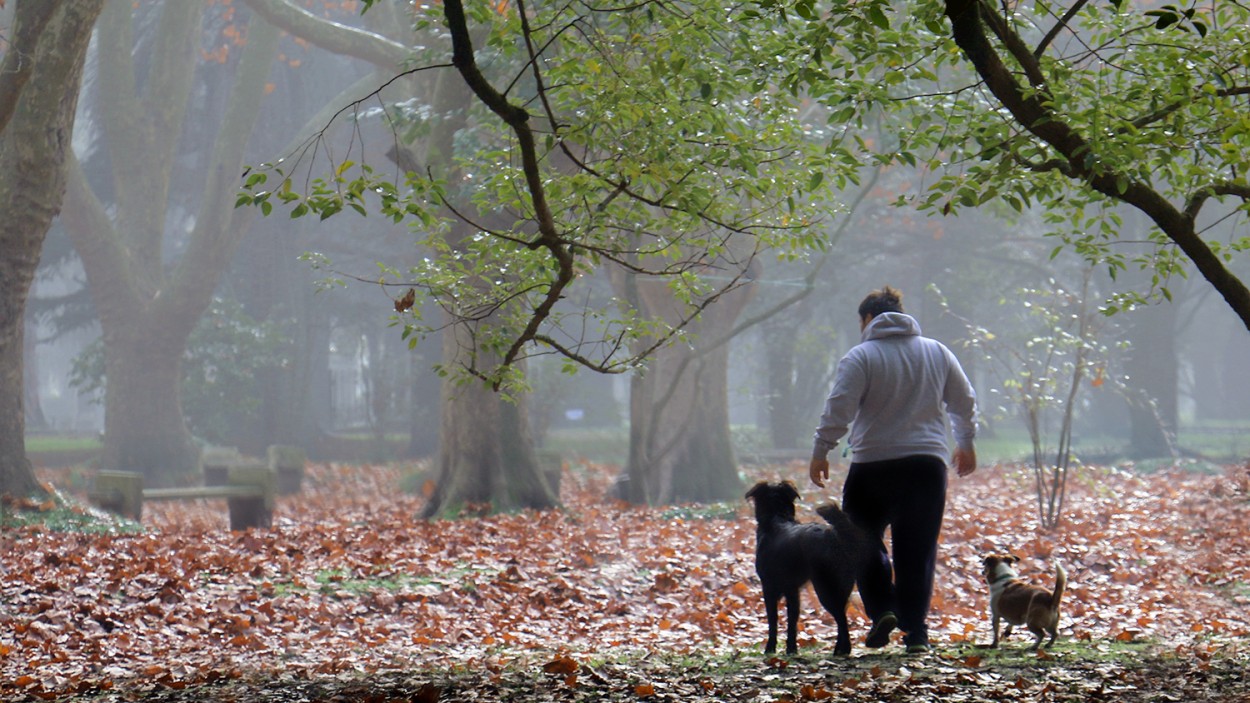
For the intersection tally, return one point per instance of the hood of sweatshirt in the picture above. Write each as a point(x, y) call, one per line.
point(891, 324)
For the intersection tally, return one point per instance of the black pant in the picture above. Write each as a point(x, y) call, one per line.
point(909, 496)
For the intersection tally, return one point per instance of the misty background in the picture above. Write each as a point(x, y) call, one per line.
point(280, 358)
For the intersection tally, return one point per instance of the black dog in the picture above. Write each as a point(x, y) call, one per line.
point(789, 554)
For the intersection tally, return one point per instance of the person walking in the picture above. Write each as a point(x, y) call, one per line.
point(894, 391)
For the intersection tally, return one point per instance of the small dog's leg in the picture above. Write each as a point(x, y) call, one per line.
point(843, 646)
point(1038, 634)
point(792, 622)
point(995, 621)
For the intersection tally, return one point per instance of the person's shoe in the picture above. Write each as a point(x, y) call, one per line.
point(918, 648)
point(879, 635)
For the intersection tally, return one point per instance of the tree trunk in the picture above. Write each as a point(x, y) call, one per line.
point(780, 374)
point(680, 449)
point(37, 124)
point(486, 455)
point(30, 361)
point(1152, 370)
point(143, 409)
point(423, 412)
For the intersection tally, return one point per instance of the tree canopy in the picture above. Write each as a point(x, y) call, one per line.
point(1079, 109)
point(647, 140)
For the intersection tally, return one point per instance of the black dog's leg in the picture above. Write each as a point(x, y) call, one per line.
point(834, 597)
point(792, 621)
point(770, 607)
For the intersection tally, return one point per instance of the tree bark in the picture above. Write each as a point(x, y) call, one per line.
point(486, 457)
point(33, 148)
point(1152, 369)
point(680, 448)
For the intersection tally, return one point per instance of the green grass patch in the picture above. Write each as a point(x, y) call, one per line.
point(344, 581)
point(56, 443)
point(57, 514)
point(605, 446)
point(710, 511)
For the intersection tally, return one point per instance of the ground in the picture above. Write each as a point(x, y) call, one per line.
point(349, 597)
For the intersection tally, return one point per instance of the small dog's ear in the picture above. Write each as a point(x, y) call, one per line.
point(1011, 558)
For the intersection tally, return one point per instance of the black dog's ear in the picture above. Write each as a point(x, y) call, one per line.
point(792, 492)
point(756, 489)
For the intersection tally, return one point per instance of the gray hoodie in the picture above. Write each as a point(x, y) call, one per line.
point(894, 387)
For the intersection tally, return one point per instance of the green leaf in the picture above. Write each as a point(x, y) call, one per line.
point(877, 17)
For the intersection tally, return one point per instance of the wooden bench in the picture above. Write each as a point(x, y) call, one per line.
point(288, 465)
point(249, 491)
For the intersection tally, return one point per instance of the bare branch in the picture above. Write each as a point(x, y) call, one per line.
point(1059, 26)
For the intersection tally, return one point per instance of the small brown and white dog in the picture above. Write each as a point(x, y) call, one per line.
point(1020, 603)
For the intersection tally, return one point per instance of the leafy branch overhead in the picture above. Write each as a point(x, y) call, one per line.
point(639, 142)
point(1084, 110)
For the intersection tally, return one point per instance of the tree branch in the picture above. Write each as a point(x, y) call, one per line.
point(29, 21)
point(1059, 26)
point(1032, 111)
point(517, 119)
point(332, 36)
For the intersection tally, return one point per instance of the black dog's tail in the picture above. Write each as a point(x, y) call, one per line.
point(834, 516)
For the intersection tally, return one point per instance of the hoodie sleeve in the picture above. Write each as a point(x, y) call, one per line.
point(961, 404)
point(841, 405)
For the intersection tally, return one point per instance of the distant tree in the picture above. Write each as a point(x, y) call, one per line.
point(150, 205)
point(1038, 374)
point(632, 138)
point(40, 76)
point(127, 222)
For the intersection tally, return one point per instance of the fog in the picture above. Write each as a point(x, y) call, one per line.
point(275, 358)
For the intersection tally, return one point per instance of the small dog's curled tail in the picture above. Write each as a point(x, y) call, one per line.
point(1061, 582)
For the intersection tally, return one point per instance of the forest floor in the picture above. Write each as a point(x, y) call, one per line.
point(349, 598)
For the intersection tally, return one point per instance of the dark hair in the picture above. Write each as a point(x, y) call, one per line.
point(885, 300)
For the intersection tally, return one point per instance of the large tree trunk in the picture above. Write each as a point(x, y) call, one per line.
point(1152, 370)
point(37, 119)
point(783, 412)
point(486, 457)
point(34, 404)
point(143, 420)
point(680, 449)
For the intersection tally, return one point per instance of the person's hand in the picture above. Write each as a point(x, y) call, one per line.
point(965, 461)
point(819, 471)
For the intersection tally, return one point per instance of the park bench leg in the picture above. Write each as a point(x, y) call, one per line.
point(250, 512)
point(119, 492)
